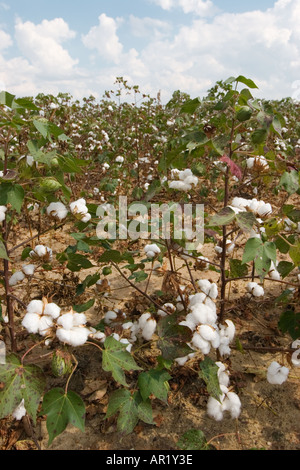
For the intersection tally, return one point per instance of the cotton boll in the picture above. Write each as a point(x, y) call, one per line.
point(143, 319)
point(19, 411)
point(28, 269)
point(79, 319)
point(224, 348)
point(45, 325)
point(150, 254)
point(232, 404)
point(100, 336)
point(66, 321)
point(57, 211)
point(129, 345)
point(36, 306)
point(254, 289)
point(189, 322)
point(277, 374)
point(110, 316)
point(204, 285)
point(196, 299)
point(31, 322)
point(52, 310)
point(149, 329)
point(223, 374)
point(213, 291)
point(214, 407)
point(181, 360)
point(200, 343)
point(76, 336)
point(15, 278)
point(230, 330)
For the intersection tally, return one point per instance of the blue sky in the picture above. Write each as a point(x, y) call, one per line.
point(80, 47)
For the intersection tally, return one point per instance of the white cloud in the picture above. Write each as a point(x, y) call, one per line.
point(104, 39)
point(198, 7)
point(149, 27)
point(5, 40)
point(41, 46)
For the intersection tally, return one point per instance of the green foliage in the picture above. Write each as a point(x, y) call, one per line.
point(116, 359)
point(62, 408)
point(194, 440)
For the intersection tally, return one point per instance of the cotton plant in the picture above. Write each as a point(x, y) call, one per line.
point(41, 253)
point(152, 250)
point(255, 290)
point(277, 374)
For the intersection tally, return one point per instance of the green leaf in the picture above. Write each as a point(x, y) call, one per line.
point(246, 81)
point(16, 196)
point(284, 268)
point(209, 373)
point(250, 251)
point(116, 359)
point(190, 106)
point(259, 136)
point(42, 127)
point(20, 382)
point(84, 307)
point(76, 262)
point(270, 251)
point(3, 252)
point(290, 181)
point(116, 401)
point(237, 268)
point(245, 220)
point(289, 322)
point(224, 217)
point(154, 382)
point(6, 98)
point(173, 338)
point(294, 253)
point(111, 255)
point(62, 409)
point(194, 439)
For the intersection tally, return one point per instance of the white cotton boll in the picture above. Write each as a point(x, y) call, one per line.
point(254, 289)
point(223, 374)
point(264, 209)
point(277, 374)
point(40, 250)
point(250, 162)
point(209, 333)
point(181, 360)
point(120, 159)
point(198, 314)
point(153, 248)
point(52, 310)
point(31, 322)
point(195, 299)
point(232, 403)
point(143, 319)
point(19, 411)
point(77, 336)
point(79, 319)
point(36, 306)
point(204, 285)
point(86, 218)
point(28, 269)
point(150, 254)
point(230, 330)
point(149, 329)
point(45, 324)
point(200, 343)
point(100, 336)
point(214, 408)
point(213, 291)
point(127, 326)
point(110, 316)
point(295, 356)
point(57, 210)
point(66, 321)
point(224, 348)
point(116, 336)
point(18, 276)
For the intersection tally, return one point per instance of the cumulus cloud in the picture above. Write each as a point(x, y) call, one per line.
point(198, 7)
point(149, 27)
point(5, 40)
point(104, 39)
point(42, 46)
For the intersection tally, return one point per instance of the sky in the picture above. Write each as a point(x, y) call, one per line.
point(81, 47)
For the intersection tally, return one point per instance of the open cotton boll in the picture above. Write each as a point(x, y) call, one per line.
point(229, 330)
point(198, 314)
point(100, 336)
point(31, 322)
point(196, 299)
point(36, 306)
point(28, 269)
point(189, 322)
point(19, 411)
point(15, 278)
point(277, 374)
point(129, 345)
point(149, 329)
point(204, 285)
point(57, 211)
point(41, 252)
point(86, 218)
point(66, 321)
point(76, 336)
point(142, 320)
point(223, 374)
point(52, 310)
point(110, 316)
point(209, 333)
point(213, 291)
point(232, 403)
point(254, 289)
point(214, 407)
point(45, 325)
point(79, 319)
point(200, 343)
